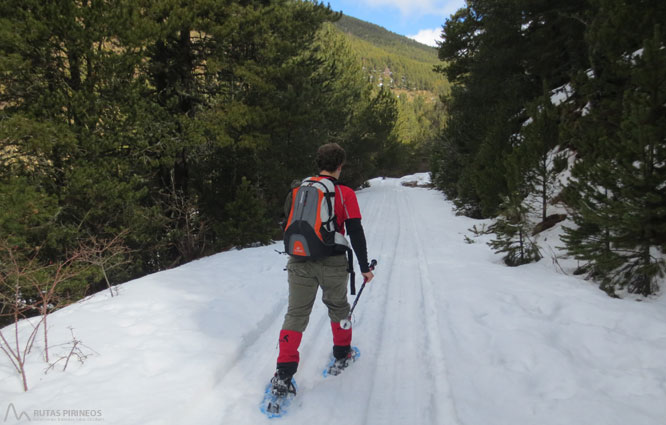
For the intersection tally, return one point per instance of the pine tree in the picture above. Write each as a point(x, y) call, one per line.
point(537, 153)
point(248, 220)
point(513, 233)
point(621, 209)
point(146, 117)
point(72, 102)
point(488, 107)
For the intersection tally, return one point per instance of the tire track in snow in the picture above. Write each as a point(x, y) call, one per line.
point(396, 393)
point(436, 359)
point(351, 392)
point(385, 274)
point(410, 349)
point(380, 231)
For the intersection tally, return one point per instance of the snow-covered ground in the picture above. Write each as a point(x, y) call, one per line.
point(448, 335)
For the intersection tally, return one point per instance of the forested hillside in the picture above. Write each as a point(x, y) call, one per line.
point(406, 68)
point(393, 60)
point(137, 136)
point(542, 87)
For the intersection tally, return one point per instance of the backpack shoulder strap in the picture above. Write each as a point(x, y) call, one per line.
point(343, 201)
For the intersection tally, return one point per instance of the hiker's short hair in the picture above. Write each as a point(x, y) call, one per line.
point(330, 156)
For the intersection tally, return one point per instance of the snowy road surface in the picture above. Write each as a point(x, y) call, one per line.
point(448, 336)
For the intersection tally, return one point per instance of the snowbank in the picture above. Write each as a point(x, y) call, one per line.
point(448, 335)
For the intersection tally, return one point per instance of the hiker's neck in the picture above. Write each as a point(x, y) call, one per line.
point(335, 174)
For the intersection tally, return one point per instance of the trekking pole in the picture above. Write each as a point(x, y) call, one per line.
point(346, 323)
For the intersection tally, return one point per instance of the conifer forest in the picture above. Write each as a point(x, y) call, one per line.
point(139, 135)
point(539, 84)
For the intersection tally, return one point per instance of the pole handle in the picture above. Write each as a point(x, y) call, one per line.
point(373, 264)
point(346, 323)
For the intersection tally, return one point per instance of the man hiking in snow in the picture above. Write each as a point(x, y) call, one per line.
point(328, 270)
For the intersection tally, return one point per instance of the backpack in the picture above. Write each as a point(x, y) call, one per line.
point(311, 228)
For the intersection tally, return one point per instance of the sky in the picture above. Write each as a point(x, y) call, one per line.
point(421, 20)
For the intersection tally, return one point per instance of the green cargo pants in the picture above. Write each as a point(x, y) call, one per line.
point(305, 277)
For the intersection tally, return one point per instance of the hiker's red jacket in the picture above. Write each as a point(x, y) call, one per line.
point(348, 216)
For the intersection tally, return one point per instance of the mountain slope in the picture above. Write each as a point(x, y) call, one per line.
point(448, 336)
point(391, 59)
point(388, 40)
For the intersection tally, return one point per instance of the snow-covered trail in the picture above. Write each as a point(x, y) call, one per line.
point(448, 336)
point(401, 376)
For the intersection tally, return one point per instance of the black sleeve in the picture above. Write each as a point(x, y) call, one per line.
point(357, 236)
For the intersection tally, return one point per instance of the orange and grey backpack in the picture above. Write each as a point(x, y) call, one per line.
point(311, 228)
